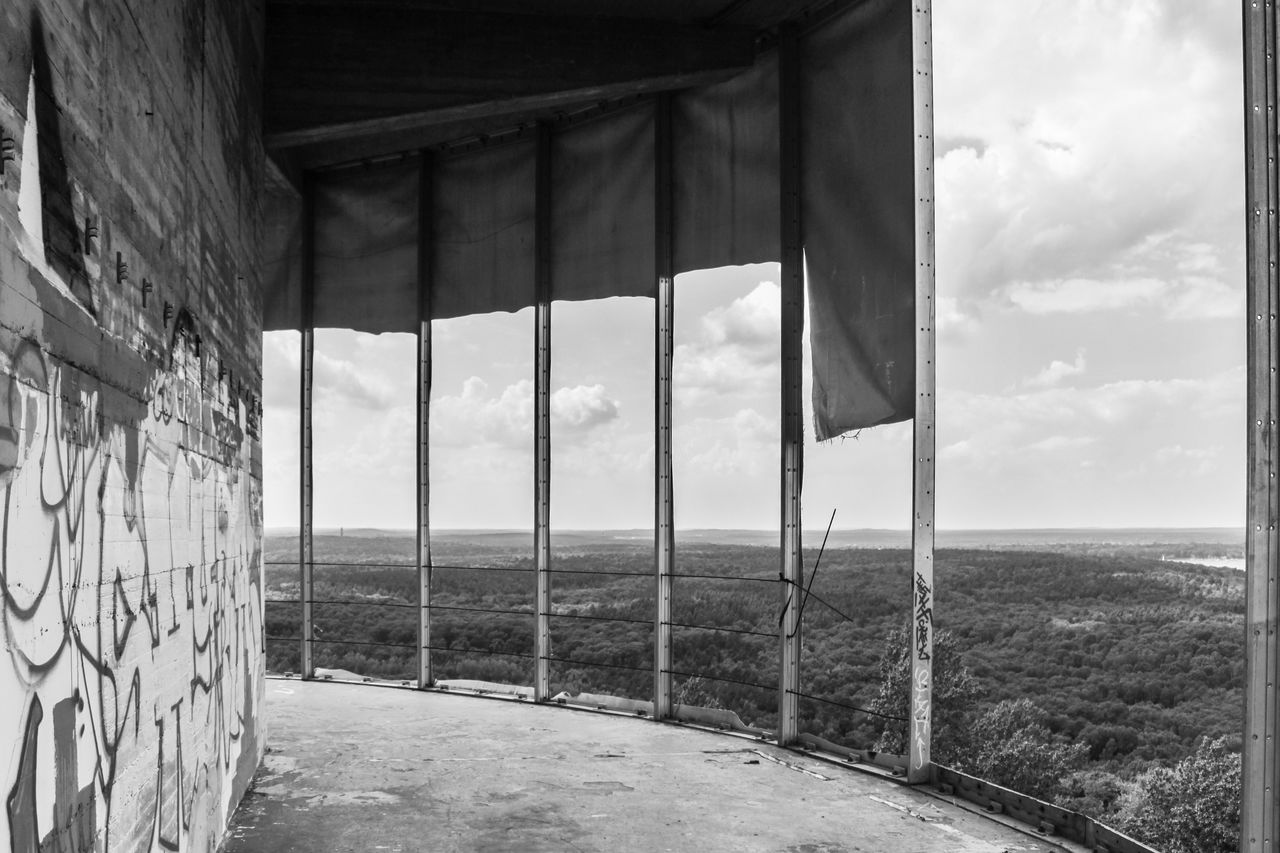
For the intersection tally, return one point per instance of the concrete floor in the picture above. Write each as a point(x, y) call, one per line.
point(362, 768)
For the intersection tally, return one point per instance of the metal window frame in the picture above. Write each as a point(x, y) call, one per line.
point(306, 482)
point(664, 349)
point(426, 675)
point(925, 439)
point(542, 415)
point(792, 383)
point(1260, 805)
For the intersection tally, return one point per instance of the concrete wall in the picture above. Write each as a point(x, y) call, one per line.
point(130, 594)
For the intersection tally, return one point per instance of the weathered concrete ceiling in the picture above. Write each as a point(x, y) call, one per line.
point(351, 79)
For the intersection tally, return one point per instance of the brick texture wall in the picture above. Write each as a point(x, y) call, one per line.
point(130, 467)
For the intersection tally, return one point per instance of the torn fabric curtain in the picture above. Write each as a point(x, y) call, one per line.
point(858, 211)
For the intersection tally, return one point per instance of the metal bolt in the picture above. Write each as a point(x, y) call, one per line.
point(90, 233)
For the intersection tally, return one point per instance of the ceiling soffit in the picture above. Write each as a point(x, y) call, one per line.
point(354, 79)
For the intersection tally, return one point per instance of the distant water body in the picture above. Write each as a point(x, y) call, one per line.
point(1236, 563)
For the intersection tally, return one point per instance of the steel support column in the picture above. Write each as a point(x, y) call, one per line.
point(306, 588)
point(1260, 804)
point(542, 416)
point(425, 237)
point(664, 346)
point(922, 529)
point(792, 384)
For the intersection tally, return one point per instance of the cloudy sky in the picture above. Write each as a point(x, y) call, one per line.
point(1091, 335)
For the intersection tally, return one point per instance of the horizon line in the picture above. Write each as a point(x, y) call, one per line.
point(773, 530)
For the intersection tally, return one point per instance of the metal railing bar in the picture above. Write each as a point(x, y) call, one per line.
point(757, 579)
point(571, 662)
point(849, 707)
point(364, 603)
point(341, 642)
point(830, 606)
point(773, 635)
point(648, 622)
point(481, 652)
point(773, 688)
point(324, 563)
point(338, 601)
point(523, 570)
point(603, 574)
point(341, 564)
point(481, 610)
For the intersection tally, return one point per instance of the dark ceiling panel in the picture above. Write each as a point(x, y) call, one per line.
point(686, 11)
point(330, 64)
point(348, 79)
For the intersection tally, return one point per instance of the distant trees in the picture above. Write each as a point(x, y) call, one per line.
point(1097, 680)
point(1193, 807)
point(1008, 743)
point(1011, 745)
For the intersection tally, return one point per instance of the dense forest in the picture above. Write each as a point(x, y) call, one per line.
point(1130, 662)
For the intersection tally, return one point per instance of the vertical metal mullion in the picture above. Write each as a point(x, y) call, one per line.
point(664, 346)
point(922, 529)
point(542, 416)
point(425, 236)
point(792, 429)
point(1260, 805)
point(305, 484)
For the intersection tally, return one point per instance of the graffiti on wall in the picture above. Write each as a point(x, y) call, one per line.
point(130, 599)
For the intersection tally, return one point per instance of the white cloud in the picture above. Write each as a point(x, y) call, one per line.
point(1190, 298)
point(1203, 299)
point(582, 408)
point(372, 378)
point(476, 416)
point(1057, 371)
point(280, 362)
point(1118, 419)
point(1062, 442)
point(1126, 453)
point(1085, 150)
point(1076, 296)
point(1191, 461)
point(735, 350)
point(743, 443)
point(341, 382)
point(751, 321)
point(953, 321)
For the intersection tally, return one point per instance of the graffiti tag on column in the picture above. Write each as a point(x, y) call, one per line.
point(924, 618)
point(921, 693)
